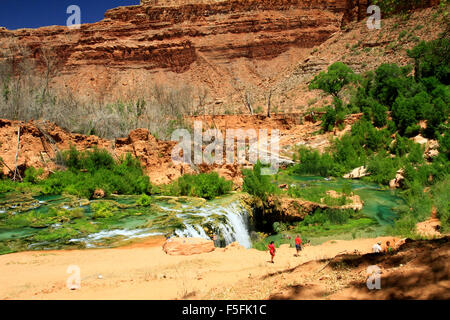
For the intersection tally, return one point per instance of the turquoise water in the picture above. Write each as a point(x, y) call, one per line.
point(30, 222)
point(26, 221)
point(379, 203)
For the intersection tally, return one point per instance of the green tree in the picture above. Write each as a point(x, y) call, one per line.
point(432, 59)
point(338, 75)
point(257, 184)
point(402, 114)
point(379, 114)
point(390, 81)
point(329, 119)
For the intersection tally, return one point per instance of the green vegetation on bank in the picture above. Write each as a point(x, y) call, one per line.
point(418, 104)
point(84, 172)
point(87, 171)
point(91, 170)
point(257, 184)
point(204, 185)
point(319, 194)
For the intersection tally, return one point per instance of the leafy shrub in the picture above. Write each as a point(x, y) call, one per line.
point(379, 115)
point(335, 79)
point(256, 183)
point(204, 185)
point(382, 169)
point(103, 209)
point(329, 119)
point(32, 175)
point(432, 59)
point(144, 200)
point(347, 188)
point(327, 216)
point(279, 227)
point(91, 170)
point(314, 163)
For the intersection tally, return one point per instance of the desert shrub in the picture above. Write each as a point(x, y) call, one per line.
point(204, 185)
point(91, 170)
point(144, 200)
point(32, 175)
point(25, 95)
point(329, 119)
point(257, 184)
point(103, 209)
point(314, 163)
point(332, 81)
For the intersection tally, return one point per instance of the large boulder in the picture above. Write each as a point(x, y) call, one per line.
point(187, 246)
point(431, 146)
point(397, 182)
point(357, 173)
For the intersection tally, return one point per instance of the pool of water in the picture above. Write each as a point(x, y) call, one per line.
point(30, 222)
point(379, 203)
point(25, 222)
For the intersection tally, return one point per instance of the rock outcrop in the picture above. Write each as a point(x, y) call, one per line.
point(187, 246)
point(357, 173)
point(40, 141)
point(397, 182)
point(431, 146)
point(429, 228)
point(214, 44)
point(288, 209)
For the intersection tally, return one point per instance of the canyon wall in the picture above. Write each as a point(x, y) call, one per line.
point(225, 46)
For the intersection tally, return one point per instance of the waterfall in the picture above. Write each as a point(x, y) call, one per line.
point(234, 228)
point(237, 227)
point(191, 231)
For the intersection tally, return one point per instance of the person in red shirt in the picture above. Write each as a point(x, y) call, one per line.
point(298, 244)
point(272, 250)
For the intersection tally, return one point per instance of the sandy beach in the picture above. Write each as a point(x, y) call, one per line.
point(144, 271)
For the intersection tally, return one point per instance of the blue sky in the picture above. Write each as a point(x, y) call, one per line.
point(15, 14)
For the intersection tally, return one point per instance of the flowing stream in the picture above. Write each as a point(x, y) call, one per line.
point(28, 222)
point(54, 222)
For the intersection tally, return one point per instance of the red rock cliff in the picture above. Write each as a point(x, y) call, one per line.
point(215, 44)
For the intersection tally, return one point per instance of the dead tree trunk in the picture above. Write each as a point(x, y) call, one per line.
point(17, 154)
point(248, 102)
point(268, 103)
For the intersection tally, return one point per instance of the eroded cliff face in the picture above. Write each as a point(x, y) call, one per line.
point(223, 45)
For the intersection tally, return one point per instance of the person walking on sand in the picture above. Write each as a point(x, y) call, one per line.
point(272, 250)
point(298, 244)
